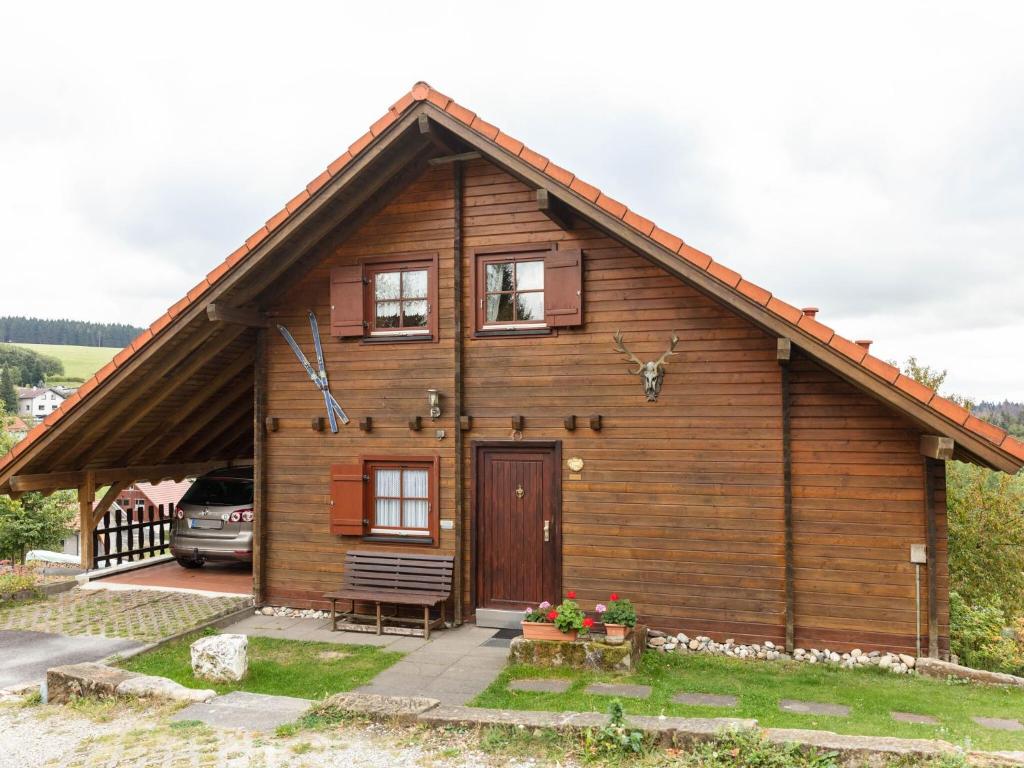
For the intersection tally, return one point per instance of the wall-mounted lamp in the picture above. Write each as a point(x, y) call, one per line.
point(434, 401)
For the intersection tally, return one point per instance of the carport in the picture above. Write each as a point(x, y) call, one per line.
point(185, 396)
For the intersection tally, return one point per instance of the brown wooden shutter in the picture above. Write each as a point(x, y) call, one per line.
point(563, 289)
point(348, 491)
point(347, 301)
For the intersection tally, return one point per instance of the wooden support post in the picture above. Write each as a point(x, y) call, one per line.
point(86, 496)
point(108, 498)
point(932, 466)
point(259, 511)
point(787, 493)
point(458, 158)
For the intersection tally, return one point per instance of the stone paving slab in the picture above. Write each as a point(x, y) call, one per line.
point(998, 723)
point(541, 685)
point(813, 708)
point(910, 717)
point(705, 700)
point(619, 689)
point(248, 711)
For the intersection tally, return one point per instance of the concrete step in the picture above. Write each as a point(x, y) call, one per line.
point(496, 619)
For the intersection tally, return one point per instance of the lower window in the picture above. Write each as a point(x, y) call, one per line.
point(402, 498)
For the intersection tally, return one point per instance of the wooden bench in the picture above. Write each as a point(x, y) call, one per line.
point(395, 579)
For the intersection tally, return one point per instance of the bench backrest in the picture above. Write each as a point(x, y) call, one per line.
point(384, 572)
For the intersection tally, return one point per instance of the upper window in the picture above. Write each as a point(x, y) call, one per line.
point(513, 293)
point(391, 298)
point(400, 299)
point(527, 289)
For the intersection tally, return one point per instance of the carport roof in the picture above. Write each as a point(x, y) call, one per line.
point(391, 143)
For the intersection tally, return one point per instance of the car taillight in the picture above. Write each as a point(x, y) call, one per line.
point(179, 513)
point(234, 517)
point(247, 515)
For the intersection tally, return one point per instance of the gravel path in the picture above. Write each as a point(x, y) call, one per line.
point(52, 737)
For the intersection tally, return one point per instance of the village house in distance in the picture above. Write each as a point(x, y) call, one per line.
point(544, 384)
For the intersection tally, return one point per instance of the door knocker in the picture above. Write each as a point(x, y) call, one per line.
point(520, 492)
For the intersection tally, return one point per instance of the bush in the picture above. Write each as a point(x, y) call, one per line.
point(16, 580)
point(976, 635)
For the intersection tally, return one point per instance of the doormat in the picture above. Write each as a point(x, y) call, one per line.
point(503, 638)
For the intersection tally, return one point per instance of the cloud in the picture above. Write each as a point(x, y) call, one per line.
point(868, 161)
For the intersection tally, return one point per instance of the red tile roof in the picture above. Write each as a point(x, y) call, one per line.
point(423, 92)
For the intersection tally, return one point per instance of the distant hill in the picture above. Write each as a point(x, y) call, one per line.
point(1006, 415)
point(79, 363)
point(34, 330)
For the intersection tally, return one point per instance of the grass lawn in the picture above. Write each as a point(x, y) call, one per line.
point(79, 362)
point(871, 695)
point(280, 667)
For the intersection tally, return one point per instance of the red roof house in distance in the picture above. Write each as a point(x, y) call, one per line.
point(747, 472)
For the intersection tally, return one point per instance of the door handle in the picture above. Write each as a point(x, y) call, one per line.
point(547, 530)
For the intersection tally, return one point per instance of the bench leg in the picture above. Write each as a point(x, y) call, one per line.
point(443, 625)
point(378, 619)
point(426, 622)
point(334, 616)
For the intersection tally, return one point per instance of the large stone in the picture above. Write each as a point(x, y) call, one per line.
point(945, 669)
point(151, 687)
point(87, 680)
point(221, 658)
point(392, 708)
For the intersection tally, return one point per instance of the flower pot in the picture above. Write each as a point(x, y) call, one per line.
point(616, 633)
point(539, 630)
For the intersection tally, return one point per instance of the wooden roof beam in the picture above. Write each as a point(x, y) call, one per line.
point(153, 473)
point(218, 312)
point(554, 209)
point(240, 403)
point(937, 447)
point(230, 430)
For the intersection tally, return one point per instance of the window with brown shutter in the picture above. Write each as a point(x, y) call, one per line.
point(347, 301)
point(563, 292)
point(348, 500)
point(528, 289)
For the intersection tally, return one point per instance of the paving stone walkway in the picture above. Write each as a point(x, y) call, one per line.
point(137, 614)
point(910, 717)
point(248, 711)
point(619, 689)
point(705, 700)
point(813, 708)
point(999, 724)
point(453, 666)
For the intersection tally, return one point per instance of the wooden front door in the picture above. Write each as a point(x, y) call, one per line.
point(518, 519)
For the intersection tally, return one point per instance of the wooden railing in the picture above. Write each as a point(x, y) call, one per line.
point(146, 533)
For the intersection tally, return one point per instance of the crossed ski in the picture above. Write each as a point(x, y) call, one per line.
point(318, 378)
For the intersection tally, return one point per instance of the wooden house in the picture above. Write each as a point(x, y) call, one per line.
point(543, 383)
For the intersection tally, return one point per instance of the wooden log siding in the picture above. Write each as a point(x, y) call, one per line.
point(680, 503)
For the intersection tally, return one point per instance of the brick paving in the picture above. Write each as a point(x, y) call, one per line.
point(144, 615)
point(231, 578)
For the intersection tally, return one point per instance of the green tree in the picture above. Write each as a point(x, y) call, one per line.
point(34, 522)
point(932, 378)
point(986, 536)
point(8, 394)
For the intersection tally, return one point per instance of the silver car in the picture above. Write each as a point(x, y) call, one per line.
point(213, 520)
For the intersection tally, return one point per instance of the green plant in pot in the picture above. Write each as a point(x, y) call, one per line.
point(618, 617)
point(561, 623)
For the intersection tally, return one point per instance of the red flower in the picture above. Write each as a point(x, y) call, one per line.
point(614, 596)
point(571, 594)
point(588, 622)
point(552, 615)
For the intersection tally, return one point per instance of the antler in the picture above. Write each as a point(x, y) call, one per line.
point(630, 357)
point(669, 351)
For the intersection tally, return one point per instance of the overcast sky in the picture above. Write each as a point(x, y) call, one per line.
point(864, 158)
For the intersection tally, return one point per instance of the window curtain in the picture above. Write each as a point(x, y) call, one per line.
point(388, 483)
point(415, 490)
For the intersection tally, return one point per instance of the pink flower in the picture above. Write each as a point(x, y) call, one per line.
point(552, 615)
point(544, 605)
point(600, 608)
point(527, 610)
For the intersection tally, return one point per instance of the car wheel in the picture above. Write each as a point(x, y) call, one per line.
point(187, 562)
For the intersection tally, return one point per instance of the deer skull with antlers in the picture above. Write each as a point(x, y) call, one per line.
point(651, 373)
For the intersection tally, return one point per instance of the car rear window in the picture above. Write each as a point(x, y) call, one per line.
point(219, 492)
